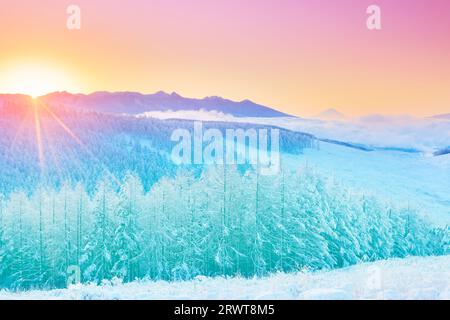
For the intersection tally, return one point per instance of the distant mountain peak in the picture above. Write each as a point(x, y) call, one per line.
point(160, 93)
point(445, 116)
point(331, 114)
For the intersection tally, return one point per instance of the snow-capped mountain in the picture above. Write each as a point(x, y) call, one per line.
point(137, 103)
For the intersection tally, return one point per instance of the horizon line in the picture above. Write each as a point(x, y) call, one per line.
point(174, 93)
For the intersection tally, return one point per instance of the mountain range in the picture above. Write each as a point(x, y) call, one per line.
point(137, 103)
point(134, 103)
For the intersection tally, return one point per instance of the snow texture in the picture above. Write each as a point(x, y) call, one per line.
point(410, 278)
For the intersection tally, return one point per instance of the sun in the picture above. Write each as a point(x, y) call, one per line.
point(34, 80)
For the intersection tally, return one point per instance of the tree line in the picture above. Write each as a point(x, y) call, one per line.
point(223, 222)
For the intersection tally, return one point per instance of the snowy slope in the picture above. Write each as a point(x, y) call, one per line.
point(410, 278)
point(403, 178)
point(417, 178)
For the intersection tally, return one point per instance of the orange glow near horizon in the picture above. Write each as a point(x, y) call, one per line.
point(34, 79)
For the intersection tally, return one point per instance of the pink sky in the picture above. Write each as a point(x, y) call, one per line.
point(298, 56)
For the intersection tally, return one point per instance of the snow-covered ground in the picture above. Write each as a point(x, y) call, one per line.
point(408, 179)
point(410, 278)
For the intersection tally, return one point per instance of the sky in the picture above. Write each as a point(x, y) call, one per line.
point(298, 56)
